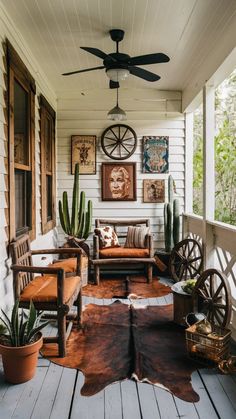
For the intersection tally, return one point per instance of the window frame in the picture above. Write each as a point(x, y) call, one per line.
point(18, 71)
point(47, 112)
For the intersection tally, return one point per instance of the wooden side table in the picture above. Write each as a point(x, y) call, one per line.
point(183, 303)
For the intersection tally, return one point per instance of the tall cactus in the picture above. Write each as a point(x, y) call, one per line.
point(170, 189)
point(168, 227)
point(79, 223)
point(171, 218)
point(176, 222)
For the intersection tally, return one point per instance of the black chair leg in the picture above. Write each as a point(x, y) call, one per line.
point(97, 274)
point(149, 272)
point(61, 334)
point(79, 308)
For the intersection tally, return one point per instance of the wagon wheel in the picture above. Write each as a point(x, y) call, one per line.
point(119, 141)
point(212, 296)
point(186, 260)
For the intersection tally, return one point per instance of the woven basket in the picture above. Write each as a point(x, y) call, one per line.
point(208, 349)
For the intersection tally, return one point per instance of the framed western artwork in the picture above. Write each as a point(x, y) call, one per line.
point(83, 151)
point(154, 190)
point(155, 154)
point(119, 181)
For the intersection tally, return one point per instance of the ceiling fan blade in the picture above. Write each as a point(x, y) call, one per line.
point(95, 51)
point(83, 71)
point(114, 84)
point(143, 74)
point(149, 59)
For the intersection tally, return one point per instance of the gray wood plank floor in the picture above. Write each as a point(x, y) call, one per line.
point(55, 393)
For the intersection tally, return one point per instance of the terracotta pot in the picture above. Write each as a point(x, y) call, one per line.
point(19, 363)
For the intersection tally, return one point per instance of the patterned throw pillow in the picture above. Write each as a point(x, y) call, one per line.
point(136, 237)
point(107, 237)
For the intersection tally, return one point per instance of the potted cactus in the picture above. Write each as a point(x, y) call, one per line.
point(20, 342)
point(171, 230)
point(77, 226)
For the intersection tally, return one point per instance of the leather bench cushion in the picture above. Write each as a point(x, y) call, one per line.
point(123, 252)
point(69, 265)
point(44, 289)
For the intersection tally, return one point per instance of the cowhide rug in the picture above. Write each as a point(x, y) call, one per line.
point(136, 286)
point(119, 342)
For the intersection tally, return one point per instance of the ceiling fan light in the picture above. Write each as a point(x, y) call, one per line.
point(116, 114)
point(117, 74)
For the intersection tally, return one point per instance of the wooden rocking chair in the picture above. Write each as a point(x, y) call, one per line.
point(52, 290)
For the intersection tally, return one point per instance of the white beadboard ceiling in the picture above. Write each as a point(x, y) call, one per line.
point(185, 30)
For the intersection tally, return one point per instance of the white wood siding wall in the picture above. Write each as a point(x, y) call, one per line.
point(8, 30)
point(148, 114)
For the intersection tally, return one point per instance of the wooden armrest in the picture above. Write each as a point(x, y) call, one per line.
point(37, 269)
point(67, 250)
point(121, 222)
point(59, 251)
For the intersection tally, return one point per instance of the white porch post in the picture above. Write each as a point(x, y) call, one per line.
point(208, 172)
point(188, 204)
point(189, 162)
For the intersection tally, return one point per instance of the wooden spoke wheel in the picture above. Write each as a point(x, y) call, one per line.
point(212, 296)
point(119, 142)
point(186, 260)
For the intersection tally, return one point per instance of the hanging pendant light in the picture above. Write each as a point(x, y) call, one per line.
point(116, 113)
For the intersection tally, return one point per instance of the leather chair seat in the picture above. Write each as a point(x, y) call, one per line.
point(123, 252)
point(44, 289)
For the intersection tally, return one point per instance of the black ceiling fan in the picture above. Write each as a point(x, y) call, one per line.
point(118, 66)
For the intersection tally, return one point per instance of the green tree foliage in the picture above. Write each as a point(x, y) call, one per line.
point(198, 162)
point(225, 154)
point(225, 166)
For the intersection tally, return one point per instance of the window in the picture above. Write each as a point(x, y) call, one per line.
point(47, 134)
point(21, 94)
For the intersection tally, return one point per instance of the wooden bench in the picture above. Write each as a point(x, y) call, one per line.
point(101, 261)
point(51, 290)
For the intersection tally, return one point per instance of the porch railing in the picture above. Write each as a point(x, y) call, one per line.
point(219, 247)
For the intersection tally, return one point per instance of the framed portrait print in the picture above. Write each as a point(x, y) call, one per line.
point(119, 181)
point(83, 151)
point(154, 190)
point(155, 154)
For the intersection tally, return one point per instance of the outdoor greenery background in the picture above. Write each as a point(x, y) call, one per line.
point(225, 154)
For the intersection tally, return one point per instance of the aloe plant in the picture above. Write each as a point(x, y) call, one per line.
point(79, 223)
point(171, 218)
point(20, 329)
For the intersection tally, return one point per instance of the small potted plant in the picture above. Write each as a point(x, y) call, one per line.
point(20, 342)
